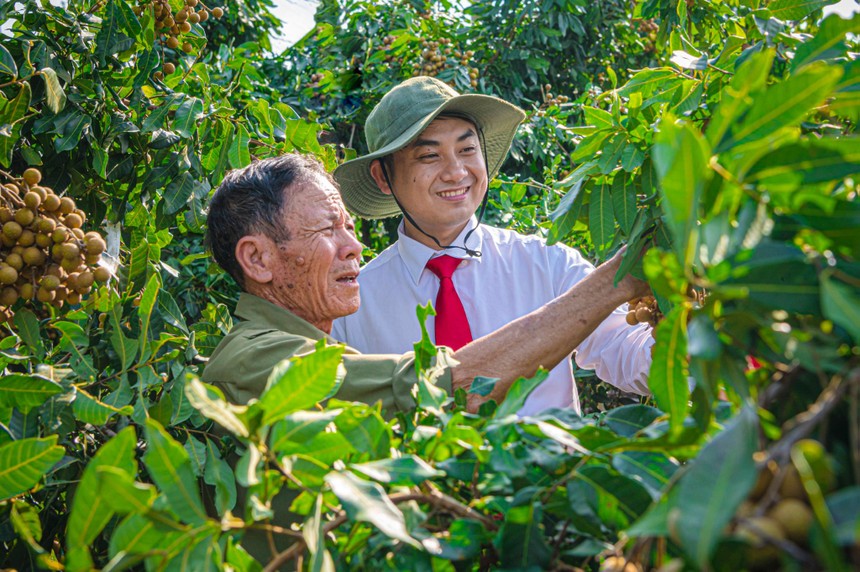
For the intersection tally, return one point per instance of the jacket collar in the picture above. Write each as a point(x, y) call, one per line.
point(416, 255)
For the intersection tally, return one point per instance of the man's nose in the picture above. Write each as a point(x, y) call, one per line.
point(454, 169)
point(350, 246)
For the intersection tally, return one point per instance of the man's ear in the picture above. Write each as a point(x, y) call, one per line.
point(376, 173)
point(253, 253)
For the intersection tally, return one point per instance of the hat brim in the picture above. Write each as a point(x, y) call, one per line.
point(497, 118)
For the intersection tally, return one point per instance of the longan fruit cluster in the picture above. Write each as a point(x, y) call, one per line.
point(776, 510)
point(549, 99)
point(170, 26)
point(644, 311)
point(45, 254)
point(438, 55)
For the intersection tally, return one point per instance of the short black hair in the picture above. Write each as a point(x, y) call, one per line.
point(251, 201)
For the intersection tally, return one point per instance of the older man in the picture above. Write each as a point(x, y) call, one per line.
point(431, 155)
point(279, 228)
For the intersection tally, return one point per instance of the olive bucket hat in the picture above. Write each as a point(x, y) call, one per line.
point(402, 115)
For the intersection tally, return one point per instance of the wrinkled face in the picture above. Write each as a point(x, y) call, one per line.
point(440, 179)
point(316, 270)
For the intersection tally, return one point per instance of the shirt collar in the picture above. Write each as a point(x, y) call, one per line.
point(415, 255)
point(258, 310)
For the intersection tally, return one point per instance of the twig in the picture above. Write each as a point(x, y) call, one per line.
point(802, 424)
point(434, 497)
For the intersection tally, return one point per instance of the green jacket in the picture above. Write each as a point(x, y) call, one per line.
point(267, 334)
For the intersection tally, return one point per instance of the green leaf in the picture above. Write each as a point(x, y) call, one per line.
point(796, 9)
point(713, 487)
point(521, 541)
point(23, 463)
point(170, 311)
point(564, 217)
point(27, 327)
point(90, 512)
point(239, 154)
point(144, 313)
point(209, 401)
point(628, 420)
point(624, 202)
point(784, 104)
point(219, 473)
point(367, 502)
point(11, 114)
point(25, 392)
point(841, 304)
point(54, 93)
point(483, 386)
point(155, 120)
point(88, 409)
point(616, 499)
point(314, 535)
point(170, 468)
point(196, 453)
point(667, 378)
point(70, 131)
point(300, 383)
point(110, 40)
point(750, 77)
point(653, 470)
point(681, 157)
point(178, 192)
point(408, 470)
point(807, 162)
point(125, 347)
point(518, 393)
point(7, 63)
point(187, 116)
point(147, 62)
point(122, 494)
point(828, 42)
point(601, 219)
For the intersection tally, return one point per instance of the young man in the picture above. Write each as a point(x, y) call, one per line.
point(432, 154)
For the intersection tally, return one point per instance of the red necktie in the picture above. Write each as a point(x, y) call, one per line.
point(452, 326)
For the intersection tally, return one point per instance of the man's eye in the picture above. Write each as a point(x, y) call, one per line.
point(428, 156)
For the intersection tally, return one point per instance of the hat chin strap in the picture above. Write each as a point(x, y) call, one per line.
point(464, 248)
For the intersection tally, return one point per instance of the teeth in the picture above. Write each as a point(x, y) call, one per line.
point(456, 193)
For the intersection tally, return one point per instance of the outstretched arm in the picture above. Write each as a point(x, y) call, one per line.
point(546, 336)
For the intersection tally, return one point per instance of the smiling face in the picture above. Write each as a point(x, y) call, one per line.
point(314, 272)
point(439, 179)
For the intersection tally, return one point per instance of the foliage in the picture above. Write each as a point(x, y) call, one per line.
point(734, 158)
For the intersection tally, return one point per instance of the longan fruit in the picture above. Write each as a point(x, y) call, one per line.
point(47, 225)
point(60, 235)
point(187, 47)
point(93, 259)
point(32, 176)
point(172, 43)
point(73, 297)
point(85, 280)
point(169, 68)
point(204, 15)
point(8, 275)
point(94, 244)
point(70, 250)
point(631, 318)
point(795, 517)
point(218, 12)
point(45, 296)
point(49, 282)
point(51, 203)
point(32, 200)
point(73, 220)
point(78, 233)
point(33, 256)
point(5, 215)
point(67, 205)
point(643, 314)
point(27, 238)
point(101, 274)
point(26, 291)
point(12, 229)
point(56, 270)
point(8, 296)
point(15, 261)
point(24, 216)
point(43, 240)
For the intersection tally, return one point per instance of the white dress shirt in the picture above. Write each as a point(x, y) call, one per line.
point(515, 275)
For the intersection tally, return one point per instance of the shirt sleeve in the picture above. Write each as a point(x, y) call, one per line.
point(388, 378)
point(618, 353)
point(248, 362)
